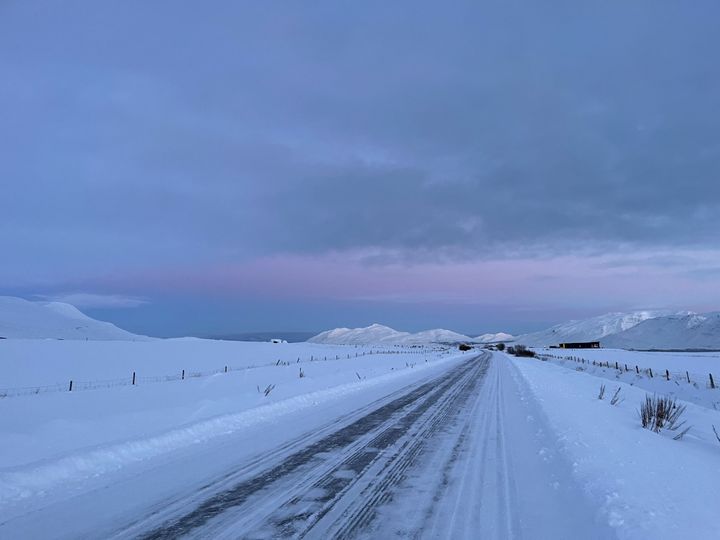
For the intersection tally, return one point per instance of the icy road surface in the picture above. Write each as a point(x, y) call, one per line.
point(456, 457)
point(461, 455)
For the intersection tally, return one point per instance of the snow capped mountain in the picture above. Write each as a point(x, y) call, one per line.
point(593, 329)
point(379, 334)
point(494, 338)
point(682, 331)
point(23, 319)
point(434, 336)
point(375, 333)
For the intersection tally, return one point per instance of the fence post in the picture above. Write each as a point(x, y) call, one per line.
point(70, 389)
point(712, 381)
point(688, 376)
point(616, 365)
point(183, 375)
point(667, 375)
point(626, 367)
point(225, 369)
point(637, 369)
point(133, 378)
point(650, 370)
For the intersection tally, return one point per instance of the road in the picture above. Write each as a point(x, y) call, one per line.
point(464, 455)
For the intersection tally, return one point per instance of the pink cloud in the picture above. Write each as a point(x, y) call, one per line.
point(559, 281)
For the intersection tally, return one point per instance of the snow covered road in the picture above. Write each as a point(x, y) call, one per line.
point(456, 457)
point(461, 454)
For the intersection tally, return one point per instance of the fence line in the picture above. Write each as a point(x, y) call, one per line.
point(134, 380)
point(623, 367)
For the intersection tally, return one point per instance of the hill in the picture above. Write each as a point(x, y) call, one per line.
point(379, 334)
point(494, 338)
point(684, 331)
point(593, 329)
point(23, 319)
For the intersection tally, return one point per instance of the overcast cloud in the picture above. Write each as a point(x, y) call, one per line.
point(147, 137)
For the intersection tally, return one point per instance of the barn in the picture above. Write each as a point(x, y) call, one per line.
point(580, 345)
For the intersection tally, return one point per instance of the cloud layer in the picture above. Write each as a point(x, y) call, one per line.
point(144, 137)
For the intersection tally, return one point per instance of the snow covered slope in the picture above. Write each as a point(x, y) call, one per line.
point(23, 319)
point(494, 338)
point(592, 329)
point(434, 336)
point(690, 331)
point(377, 333)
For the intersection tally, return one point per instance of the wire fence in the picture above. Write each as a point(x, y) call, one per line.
point(710, 382)
point(134, 379)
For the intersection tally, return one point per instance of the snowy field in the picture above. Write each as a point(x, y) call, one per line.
point(419, 442)
point(52, 437)
point(687, 377)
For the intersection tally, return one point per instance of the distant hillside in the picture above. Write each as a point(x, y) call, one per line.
point(22, 319)
point(379, 334)
point(495, 338)
point(593, 329)
point(689, 331)
point(435, 336)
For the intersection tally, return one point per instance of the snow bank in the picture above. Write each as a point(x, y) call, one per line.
point(647, 485)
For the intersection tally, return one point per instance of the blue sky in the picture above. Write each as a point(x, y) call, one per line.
point(185, 168)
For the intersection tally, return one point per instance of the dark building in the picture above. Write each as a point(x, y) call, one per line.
point(580, 345)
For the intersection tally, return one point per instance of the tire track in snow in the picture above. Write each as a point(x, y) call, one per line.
point(380, 492)
point(318, 475)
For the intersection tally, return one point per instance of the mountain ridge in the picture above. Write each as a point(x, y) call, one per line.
point(678, 331)
point(591, 329)
point(381, 334)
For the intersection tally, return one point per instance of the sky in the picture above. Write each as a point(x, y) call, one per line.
point(194, 168)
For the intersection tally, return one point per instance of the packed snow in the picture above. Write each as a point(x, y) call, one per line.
point(23, 319)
